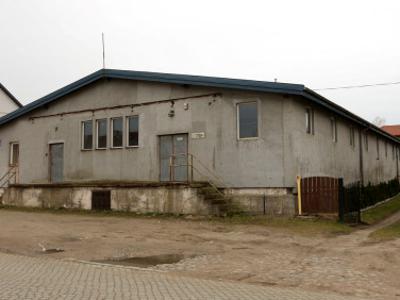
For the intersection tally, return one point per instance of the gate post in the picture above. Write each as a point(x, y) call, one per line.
point(299, 195)
point(341, 199)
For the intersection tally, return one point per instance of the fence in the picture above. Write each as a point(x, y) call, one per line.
point(354, 197)
point(350, 202)
point(320, 195)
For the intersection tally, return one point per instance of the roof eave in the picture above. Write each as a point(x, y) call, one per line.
point(317, 98)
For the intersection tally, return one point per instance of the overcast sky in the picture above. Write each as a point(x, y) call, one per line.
point(46, 44)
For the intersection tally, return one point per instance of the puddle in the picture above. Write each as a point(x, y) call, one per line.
point(145, 261)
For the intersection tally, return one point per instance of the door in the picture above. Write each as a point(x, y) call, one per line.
point(101, 200)
point(14, 154)
point(173, 157)
point(56, 162)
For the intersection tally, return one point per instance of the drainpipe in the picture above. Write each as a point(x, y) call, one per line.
point(361, 156)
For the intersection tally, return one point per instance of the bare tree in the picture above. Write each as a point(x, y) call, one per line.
point(379, 121)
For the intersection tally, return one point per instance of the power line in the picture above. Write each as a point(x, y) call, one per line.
point(357, 86)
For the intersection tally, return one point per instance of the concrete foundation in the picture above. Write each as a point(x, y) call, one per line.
point(149, 198)
point(268, 201)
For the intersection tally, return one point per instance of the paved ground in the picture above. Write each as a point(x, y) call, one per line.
point(23, 277)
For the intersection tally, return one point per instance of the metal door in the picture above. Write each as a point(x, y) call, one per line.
point(101, 200)
point(56, 162)
point(173, 157)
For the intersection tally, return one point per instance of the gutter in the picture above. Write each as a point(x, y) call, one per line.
point(317, 98)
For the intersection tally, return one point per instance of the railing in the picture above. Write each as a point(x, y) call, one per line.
point(11, 176)
point(193, 164)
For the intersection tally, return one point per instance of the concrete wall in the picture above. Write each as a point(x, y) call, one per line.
point(152, 198)
point(156, 199)
point(318, 155)
point(282, 151)
point(267, 201)
point(241, 163)
point(6, 104)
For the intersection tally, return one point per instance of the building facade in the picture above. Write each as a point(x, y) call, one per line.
point(117, 130)
point(8, 102)
point(392, 129)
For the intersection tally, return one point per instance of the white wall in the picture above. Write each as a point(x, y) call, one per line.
point(6, 104)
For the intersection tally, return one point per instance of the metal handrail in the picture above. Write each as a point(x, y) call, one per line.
point(10, 174)
point(192, 168)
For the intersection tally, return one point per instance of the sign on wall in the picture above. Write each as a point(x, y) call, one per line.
point(198, 135)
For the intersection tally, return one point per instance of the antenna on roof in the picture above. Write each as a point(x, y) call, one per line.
point(104, 51)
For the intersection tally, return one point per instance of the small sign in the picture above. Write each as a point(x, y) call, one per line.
point(198, 135)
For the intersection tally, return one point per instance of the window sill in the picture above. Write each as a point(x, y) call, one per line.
point(86, 149)
point(133, 147)
point(117, 147)
point(249, 138)
point(101, 148)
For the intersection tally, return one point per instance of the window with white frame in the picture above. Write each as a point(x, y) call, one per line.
point(352, 137)
point(101, 134)
point(87, 135)
point(14, 153)
point(117, 132)
point(133, 131)
point(309, 120)
point(334, 129)
point(247, 113)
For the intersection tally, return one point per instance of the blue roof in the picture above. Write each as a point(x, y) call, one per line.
point(238, 84)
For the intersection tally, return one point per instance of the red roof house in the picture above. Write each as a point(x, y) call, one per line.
point(392, 129)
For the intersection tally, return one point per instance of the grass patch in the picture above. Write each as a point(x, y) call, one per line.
point(382, 211)
point(387, 233)
point(306, 227)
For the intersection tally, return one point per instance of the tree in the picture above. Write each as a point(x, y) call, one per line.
point(379, 121)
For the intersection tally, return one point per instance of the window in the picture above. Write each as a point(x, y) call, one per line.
point(87, 135)
point(377, 148)
point(366, 141)
point(334, 130)
point(393, 152)
point(101, 128)
point(309, 121)
point(133, 131)
point(248, 120)
point(117, 132)
point(386, 150)
point(352, 137)
point(14, 154)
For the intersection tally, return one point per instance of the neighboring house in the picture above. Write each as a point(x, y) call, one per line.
point(8, 102)
point(106, 134)
point(392, 129)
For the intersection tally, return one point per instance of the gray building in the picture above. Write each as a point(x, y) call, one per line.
point(8, 102)
point(138, 137)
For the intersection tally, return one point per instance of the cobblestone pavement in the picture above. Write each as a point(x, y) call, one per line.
point(23, 277)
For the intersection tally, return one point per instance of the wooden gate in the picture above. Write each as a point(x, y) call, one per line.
point(319, 195)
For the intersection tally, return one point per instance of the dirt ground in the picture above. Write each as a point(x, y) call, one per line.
point(347, 264)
